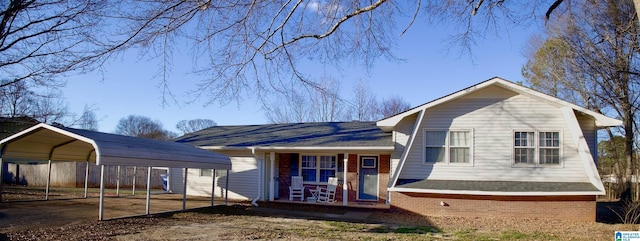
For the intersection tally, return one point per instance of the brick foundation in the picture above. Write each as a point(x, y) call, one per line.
point(575, 208)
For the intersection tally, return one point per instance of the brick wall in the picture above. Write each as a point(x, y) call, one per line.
point(284, 178)
point(576, 208)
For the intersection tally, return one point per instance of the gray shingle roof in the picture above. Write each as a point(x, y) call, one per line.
point(498, 186)
point(316, 134)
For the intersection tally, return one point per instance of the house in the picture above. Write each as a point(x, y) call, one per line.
point(493, 149)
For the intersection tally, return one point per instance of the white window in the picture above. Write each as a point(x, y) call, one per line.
point(317, 168)
point(544, 151)
point(525, 147)
point(448, 146)
point(549, 148)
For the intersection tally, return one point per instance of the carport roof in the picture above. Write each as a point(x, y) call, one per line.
point(45, 142)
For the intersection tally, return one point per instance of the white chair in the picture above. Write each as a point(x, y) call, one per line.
point(296, 189)
point(328, 194)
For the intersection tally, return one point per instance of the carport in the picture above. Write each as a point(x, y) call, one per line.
point(55, 143)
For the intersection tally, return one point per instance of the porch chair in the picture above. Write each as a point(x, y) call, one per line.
point(328, 194)
point(296, 189)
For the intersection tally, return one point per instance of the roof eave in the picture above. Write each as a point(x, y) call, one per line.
point(494, 193)
point(389, 148)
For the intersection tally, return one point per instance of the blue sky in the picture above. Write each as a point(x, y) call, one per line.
point(129, 85)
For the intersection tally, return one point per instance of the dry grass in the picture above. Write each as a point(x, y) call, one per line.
point(243, 222)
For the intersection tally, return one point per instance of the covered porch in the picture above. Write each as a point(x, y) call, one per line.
point(362, 176)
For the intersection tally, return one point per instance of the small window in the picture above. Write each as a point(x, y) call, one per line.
point(549, 148)
point(206, 172)
point(308, 168)
point(524, 143)
point(368, 162)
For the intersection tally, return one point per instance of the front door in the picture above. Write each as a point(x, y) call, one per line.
point(368, 178)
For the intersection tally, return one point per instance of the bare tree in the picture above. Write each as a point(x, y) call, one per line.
point(393, 105)
point(304, 104)
point(365, 103)
point(188, 126)
point(142, 126)
point(19, 99)
point(292, 107)
point(87, 120)
point(594, 53)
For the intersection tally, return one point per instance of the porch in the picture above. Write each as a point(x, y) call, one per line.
point(350, 204)
point(362, 177)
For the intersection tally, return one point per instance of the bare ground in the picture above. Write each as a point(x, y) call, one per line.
point(276, 221)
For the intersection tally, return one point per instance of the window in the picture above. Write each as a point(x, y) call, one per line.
point(549, 148)
point(206, 172)
point(546, 152)
point(317, 168)
point(452, 146)
point(524, 147)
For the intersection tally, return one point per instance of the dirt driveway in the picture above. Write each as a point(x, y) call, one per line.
point(19, 215)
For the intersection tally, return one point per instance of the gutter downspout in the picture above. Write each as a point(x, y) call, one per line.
point(259, 163)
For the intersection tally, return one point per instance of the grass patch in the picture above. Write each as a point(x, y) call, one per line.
point(346, 226)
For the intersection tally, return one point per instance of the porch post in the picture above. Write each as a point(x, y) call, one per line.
point(345, 189)
point(86, 179)
point(133, 190)
point(118, 181)
point(101, 205)
point(226, 190)
point(46, 192)
point(148, 190)
point(272, 176)
point(184, 187)
point(213, 187)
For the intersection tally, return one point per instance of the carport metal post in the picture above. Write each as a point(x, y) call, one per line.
point(184, 188)
point(46, 192)
point(213, 187)
point(148, 190)
point(135, 171)
point(101, 205)
point(86, 179)
point(226, 190)
point(118, 181)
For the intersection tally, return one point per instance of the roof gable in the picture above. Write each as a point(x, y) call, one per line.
point(474, 91)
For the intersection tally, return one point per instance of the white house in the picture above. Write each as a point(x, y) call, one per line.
point(494, 149)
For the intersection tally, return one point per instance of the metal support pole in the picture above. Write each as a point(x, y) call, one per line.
point(148, 190)
point(184, 188)
point(101, 206)
point(86, 180)
point(46, 192)
point(118, 181)
point(226, 190)
point(213, 186)
point(135, 171)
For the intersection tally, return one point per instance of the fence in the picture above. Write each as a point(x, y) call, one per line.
point(72, 174)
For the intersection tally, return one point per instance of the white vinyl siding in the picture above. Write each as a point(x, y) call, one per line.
point(493, 121)
point(243, 180)
point(401, 134)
